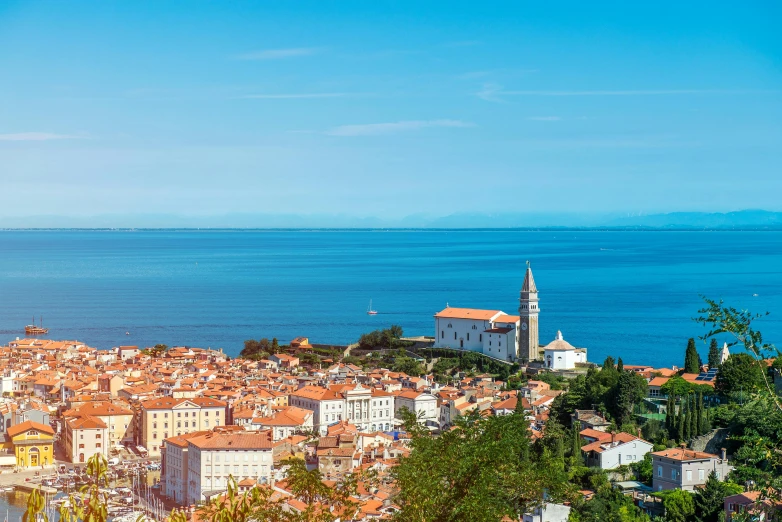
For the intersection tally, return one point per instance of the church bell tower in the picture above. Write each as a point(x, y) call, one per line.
point(528, 312)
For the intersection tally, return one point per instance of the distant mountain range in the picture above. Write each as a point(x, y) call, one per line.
point(739, 220)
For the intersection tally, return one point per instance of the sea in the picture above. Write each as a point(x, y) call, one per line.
point(629, 294)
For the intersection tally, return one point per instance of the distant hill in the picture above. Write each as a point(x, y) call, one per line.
point(756, 219)
point(739, 220)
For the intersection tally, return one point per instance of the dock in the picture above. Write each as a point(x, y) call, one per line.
point(28, 487)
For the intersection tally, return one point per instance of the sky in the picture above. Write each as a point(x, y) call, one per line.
point(389, 108)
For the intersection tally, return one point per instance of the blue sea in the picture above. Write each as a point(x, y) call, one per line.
point(628, 294)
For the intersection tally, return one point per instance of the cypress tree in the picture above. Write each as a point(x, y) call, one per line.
point(690, 418)
point(620, 366)
point(705, 424)
point(669, 411)
point(680, 423)
point(691, 358)
point(714, 354)
point(575, 450)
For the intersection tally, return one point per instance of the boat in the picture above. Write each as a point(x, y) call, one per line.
point(32, 329)
point(369, 310)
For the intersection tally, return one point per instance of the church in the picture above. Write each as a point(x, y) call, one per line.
point(502, 336)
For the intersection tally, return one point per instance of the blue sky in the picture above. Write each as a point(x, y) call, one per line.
point(389, 108)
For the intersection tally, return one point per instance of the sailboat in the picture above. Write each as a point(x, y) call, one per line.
point(369, 310)
point(31, 329)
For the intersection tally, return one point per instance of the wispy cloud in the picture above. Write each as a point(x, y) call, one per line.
point(36, 136)
point(295, 96)
point(544, 118)
point(495, 93)
point(375, 129)
point(279, 54)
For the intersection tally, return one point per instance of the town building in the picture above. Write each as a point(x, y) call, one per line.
point(285, 422)
point(680, 468)
point(118, 418)
point(33, 444)
point(84, 437)
point(215, 457)
point(369, 409)
point(164, 417)
point(175, 471)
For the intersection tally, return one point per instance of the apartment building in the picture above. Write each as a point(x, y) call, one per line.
point(118, 418)
point(165, 417)
point(423, 405)
point(85, 436)
point(214, 458)
point(175, 470)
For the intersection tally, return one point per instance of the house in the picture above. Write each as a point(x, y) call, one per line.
point(423, 405)
point(680, 468)
point(286, 422)
point(749, 502)
point(561, 355)
point(369, 408)
point(616, 449)
point(283, 360)
point(33, 444)
point(589, 419)
point(174, 475)
point(337, 454)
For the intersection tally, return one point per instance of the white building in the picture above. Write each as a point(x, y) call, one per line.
point(368, 408)
point(213, 458)
point(424, 405)
point(548, 512)
point(616, 449)
point(493, 332)
point(84, 437)
point(561, 355)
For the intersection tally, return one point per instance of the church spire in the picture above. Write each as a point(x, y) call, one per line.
point(529, 281)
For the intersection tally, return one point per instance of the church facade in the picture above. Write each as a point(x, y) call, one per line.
point(493, 332)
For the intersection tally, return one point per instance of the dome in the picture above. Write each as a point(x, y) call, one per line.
point(559, 343)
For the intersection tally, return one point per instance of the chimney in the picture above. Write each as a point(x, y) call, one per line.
point(723, 454)
point(613, 437)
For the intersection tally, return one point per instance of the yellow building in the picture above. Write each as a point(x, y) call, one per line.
point(33, 444)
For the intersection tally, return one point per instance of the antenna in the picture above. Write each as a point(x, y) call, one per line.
point(528, 264)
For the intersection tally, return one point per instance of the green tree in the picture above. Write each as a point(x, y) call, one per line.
point(687, 435)
point(714, 354)
point(575, 447)
point(679, 506)
point(691, 358)
point(680, 429)
point(676, 386)
point(482, 470)
point(620, 366)
point(608, 505)
point(709, 499)
point(407, 365)
point(644, 469)
point(740, 373)
point(630, 389)
point(275, 347)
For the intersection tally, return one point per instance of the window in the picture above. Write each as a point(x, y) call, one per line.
point(165, 415)
point(206, 423)
point(701, 474)
point(206, 413)
point(236, 458)
point(673, 474)
point(454, 336)
point(97, 444)
point(154, 415)
point(442, 334)
point(178, 424)
point(97, 435)
point(154, 424)
point(165, 425)
point(179, 414)
point(689, 474)
point(154, 435)
point(480, 337)
point(186, 414)
point(659, 471)
point(468, 336)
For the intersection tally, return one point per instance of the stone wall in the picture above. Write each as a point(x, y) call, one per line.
point(711, 442)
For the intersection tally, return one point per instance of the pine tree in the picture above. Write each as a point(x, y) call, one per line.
point(691, 358)
point(714, 354)
point(620, 366)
